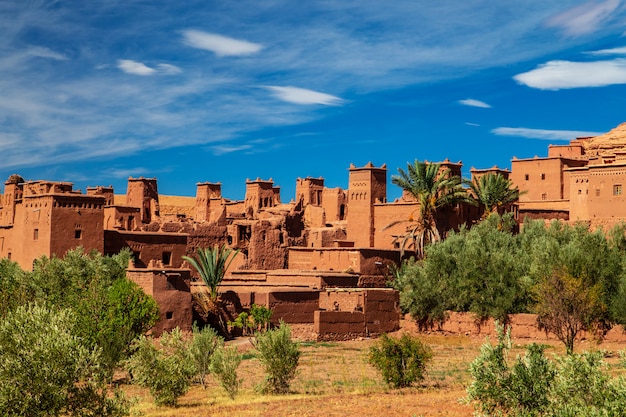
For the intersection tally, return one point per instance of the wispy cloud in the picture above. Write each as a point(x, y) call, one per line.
point(543, 134)
point(41, 52)
point(556, 75)
point(139, 68)
point(224, 149)
point(134, 67)
point(585, 18)
point(303, 96)
point(474, 103)
point(218, 44)
point(612, 51)
point(471, 124)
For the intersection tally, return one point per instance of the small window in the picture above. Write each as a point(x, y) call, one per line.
point(580, 191)
point(544, 196)
point(78, 234)
point(543, 176)
point(597, 192)
point(617, 189)
point(35, 234)
point(166, 258)
point(526, 177)
point(169, 315)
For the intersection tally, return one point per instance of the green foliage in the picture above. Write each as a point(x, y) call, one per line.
point(279, 356)
point(572, 385)
point(166, 370)
point(573, 278)
point(478, 270)
point(46, 370)
point(494, 192)
point(257, 320)
point(498, 388)
point(205, 343)
point(566, 306)
point(434, 188)
point(128, 313)
point(402, 362)
point(224, 366)
point(211, 264)
point(15, 288)
point(110, 310)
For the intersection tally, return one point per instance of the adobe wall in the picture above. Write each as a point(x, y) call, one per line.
point(77, 221)
point(349, 313)
point(539, 178)
point(367, 186)
point(168, 248)
point(325, 237)
point(170, 289)
point(387, 214)
point(335, 204)
point(326, 259)
point(607, 191)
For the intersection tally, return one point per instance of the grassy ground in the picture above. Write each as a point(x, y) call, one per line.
point(335, 380)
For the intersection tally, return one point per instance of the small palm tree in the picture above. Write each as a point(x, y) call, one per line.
point(433, 188)
point(494, 192)
point(211, 264)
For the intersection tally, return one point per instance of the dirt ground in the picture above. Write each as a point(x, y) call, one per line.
point(335, 379)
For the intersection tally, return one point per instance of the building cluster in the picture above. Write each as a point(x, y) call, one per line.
point(323, 258)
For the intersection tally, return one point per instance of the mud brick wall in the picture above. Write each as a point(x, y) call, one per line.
point(293, 306)
point(382, 311)
point(339, 325)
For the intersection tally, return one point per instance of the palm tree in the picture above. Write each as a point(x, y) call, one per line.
point(211, 264)
point(494, 192)
point(433, 188)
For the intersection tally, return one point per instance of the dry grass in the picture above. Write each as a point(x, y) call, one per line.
point(335, 380)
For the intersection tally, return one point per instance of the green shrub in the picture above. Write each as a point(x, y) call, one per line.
point(167, 371)
point(224, 366)
point(261, 317)
point(279, 356)
point(570, 386)
point(203, 346)
point(501, 389)
point(401, 361)
point(46, 370)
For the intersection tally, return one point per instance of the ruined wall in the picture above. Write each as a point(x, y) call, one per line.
point(267, 248)
point(166, 248)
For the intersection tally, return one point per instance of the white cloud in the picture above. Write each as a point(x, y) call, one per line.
point(134, 67)
point(471, 124)
point(224, 149)
point(303, 96)
point(543, 134)
point(556, 75)
point(585, 18)
point(612, 51)
point(474, 103)
point(169, 69)
point(42, 52)
point(218, 44)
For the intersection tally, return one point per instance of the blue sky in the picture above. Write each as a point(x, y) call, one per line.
point(203, 90)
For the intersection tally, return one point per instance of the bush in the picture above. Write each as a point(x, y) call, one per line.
point(167, 371)
point(279, 356)
point(572, 385)
point(204, 344)
point(401, 361)
point(224, 366)
point(47, 371)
